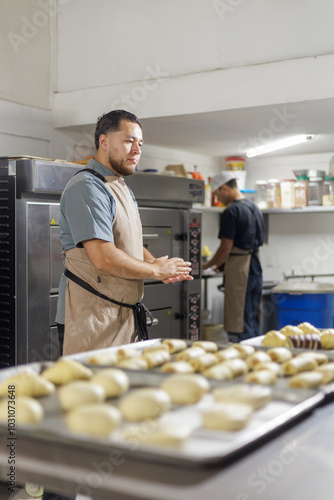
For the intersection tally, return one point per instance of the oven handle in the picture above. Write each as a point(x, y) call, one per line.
point(155, 322)
point(153, 236)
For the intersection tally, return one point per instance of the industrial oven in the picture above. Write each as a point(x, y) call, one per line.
point(31, 260)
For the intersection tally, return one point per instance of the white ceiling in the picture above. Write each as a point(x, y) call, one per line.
point(232, 132)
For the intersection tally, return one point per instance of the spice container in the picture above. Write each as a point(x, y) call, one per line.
point(274, 193)
point(315, 191)
point(328, 191)
point(261, 194)
point(287, 193)
point(301, 190)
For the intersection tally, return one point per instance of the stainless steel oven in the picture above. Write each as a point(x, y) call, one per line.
point(31, 260)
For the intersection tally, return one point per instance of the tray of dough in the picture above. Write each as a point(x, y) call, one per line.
point(182, 417)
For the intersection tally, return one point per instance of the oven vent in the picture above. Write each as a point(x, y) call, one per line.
point(7, 271)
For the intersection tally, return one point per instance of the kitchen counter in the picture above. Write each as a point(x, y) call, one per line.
point(298, 462)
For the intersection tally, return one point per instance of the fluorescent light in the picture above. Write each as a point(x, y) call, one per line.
point(274, 146)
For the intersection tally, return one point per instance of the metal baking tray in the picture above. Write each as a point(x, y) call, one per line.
point(203, 447)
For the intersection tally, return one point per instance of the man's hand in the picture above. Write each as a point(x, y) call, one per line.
point(172, 270)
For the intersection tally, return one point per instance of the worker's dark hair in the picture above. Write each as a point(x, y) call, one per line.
point(111, 121)
point(232, 183)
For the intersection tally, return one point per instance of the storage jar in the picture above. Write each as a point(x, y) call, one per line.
point(315, 191)
point(274, 193)
point(328, 191)
point(287, 193)
point(261, 194)
point(301, 190)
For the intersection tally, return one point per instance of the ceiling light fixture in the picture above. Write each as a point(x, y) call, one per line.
point(275, 146)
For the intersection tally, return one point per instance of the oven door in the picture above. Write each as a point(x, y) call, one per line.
point(165, 304)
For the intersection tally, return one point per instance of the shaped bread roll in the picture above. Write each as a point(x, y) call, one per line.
point(66, 370)
point(156, 347)
point(306, 380)
point(135, 363)
point(185, 389)
point(244, 350)
point(207, 345)
point(273, 339)
point(226, 416)
point(27, 383)
point(305, 341)
point(156, 358)
point(190, 353)
point(299, 364)
point(257, 357)
point(80, 392)
point(26, 410)
point(94, 419)
point(203, 362)
point(264, 377)
point(279, 354)
point(237, 366)
point(115, 382)
point(175, 345)
point(319, 357)
point(290, 330)
point(327, 372)
point(327, 338)
point(106, 359)
point(177, 367)
point(146, 402)
point(307, 327)
point(161, 434)
point(276, 368)
point(229, 353)
point(127, 352)
point(256, 396)
point(218, 372)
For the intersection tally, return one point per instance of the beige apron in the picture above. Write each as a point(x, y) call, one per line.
point(90, 321)
point(236, 278)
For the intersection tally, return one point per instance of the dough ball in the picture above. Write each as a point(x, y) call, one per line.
point(175, 345)
point(237, 366)
point(106, 359)
point(276, 368)
point(25, 411)
point(299, 364)
point(203, 362)
point(156, 347)
point(27, 383)
point(306, 380)
point(229, 353)
point(264, 377)
point(185, 389)
point(160, 434)
point(219, 372)
point(135, 363)
point(327, 372)
point(177, 367)
point(80, 393)
point(156, 357)
point(255, 396)
point(94, 419)
point(190, 353)
point(146, 402)
point(207, 345)
point(66, 370)
point(279, 354)
point(226, 416)
point(257, 357)
point(318, 357)
point(244, 350)
point(115, 382)
point(127, 352)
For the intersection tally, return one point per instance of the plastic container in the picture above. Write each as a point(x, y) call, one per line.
point(288, 193)
point(274, 193)
point(328, 191)
point(297, 302)
point(315, 191)
point(301, 190)
point(235, 163)
point(261, 194)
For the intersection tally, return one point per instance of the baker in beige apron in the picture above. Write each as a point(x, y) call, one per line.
point(236, 278)
point(90, 321)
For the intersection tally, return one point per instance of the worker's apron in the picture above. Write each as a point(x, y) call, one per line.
point(236, 277)
point(90, 321)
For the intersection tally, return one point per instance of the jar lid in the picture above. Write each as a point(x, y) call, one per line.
point(234, 158)
point(329, 178)
point(302, 177)
point(316, 179)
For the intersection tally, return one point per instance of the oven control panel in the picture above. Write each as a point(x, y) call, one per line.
point(194, 305)
point(195, 246)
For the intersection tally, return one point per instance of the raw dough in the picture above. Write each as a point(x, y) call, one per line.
point(25, 411)
point(276, 368)
point(244, 350)
point(273, 338)
point(318, 357)
point(237, 366)
point(327, 372)
point(305, 340)
point(106, 359)
point(299, 364)
point(280, 354)
point(257, 357)
point(160, 434)
point(135, 363)
point(95, 419)
point(157, 357)
point(175, 345)
point(264, 377)
point(66, 370)
point(79, 393)
point(146, 402)
point(27, 383)
point(127, 352)
point(226, 354)
point(255, 396)
point(289, 330)
point(226, 416)
point(306, 380)
point(307, 327)
point(115, 382)
point(207, 345)
point(203, 362)
point(327, 338)
point(177, 367)
point(219, 372)
point(185, 389)
point(156, 347)
point(190, 353)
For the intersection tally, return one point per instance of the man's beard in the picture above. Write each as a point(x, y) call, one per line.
point(119, 167)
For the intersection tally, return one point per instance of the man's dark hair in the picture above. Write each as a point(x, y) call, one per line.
point(232, 183)
point(111, 121)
